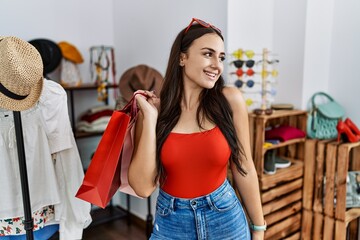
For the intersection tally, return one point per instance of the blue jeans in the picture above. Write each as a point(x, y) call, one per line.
point(218, 215)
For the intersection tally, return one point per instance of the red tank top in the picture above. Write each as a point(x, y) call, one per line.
point(195, 163)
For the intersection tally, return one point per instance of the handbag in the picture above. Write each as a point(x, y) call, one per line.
point(102, 178)
point(323, 118)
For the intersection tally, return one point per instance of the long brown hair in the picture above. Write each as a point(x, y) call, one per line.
point(212, 102)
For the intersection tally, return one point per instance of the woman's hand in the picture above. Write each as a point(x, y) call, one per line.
point(148, 104)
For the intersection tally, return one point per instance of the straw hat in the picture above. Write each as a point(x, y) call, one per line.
point(70, 52)
point(140, 77)
point(21, 74)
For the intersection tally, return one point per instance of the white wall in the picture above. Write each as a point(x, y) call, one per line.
point(83, 23)
point(318, 39)
point(277, 25)
point(144, 30)
point(331, 53)
point(344, 74)
point(288, 39)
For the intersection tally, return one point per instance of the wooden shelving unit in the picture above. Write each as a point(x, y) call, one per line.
point(325, 214)
point(84, 87)
point(281, 193)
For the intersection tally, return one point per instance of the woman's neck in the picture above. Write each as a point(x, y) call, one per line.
point(190, 98)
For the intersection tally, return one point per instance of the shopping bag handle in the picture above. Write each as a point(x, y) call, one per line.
point(131, 107)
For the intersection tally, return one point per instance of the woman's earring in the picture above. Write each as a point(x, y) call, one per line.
point(181, 64)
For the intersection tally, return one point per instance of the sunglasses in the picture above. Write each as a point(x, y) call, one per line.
point(249, 83)
point(202, 23)
point(241, 72)
point(271, 62)
point(272, 91)
point(273, 73)
point(238, 54)
point(239, 63)
point(249, 102)
point(267, 111)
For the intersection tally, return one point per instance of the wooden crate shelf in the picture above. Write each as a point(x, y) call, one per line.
point(281, 190)
point(283, 213)
point(281, 193)
point(283, 144)
point(282, 202)
point(283, 175)
point(284, 228)
point(327, 163)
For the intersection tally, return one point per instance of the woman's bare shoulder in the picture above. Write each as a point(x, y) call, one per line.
point(233, 96)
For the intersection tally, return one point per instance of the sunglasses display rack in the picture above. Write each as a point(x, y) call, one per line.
point(255, 77)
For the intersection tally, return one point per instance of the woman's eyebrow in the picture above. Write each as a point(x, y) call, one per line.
point(212, 50)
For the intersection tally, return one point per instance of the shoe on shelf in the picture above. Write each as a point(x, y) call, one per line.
point(352, 126)
point(346, 133)
point(281, 162)
point(269, 163)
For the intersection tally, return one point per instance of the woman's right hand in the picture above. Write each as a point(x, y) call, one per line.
point(148, 104)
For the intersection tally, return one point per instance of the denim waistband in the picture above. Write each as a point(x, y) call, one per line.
point(197, 202)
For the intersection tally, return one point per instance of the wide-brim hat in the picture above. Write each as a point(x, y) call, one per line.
point(21, 74)
point(140, 77)
point(50, 53)
point(70, 52)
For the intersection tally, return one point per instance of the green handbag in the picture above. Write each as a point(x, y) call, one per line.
point(323, 118)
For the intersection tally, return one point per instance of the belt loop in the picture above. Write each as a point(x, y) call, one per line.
point(210, 202)
point(172, 204)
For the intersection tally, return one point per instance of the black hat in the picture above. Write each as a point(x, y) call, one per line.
point(50, 53)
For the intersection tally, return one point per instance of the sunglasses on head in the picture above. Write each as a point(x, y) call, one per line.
point(239, 63)
point(202, 23)
point(249, 83)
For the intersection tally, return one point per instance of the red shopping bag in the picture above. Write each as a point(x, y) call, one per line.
point(102, 178)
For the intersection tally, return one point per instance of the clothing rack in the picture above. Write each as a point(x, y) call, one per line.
point(29, 222)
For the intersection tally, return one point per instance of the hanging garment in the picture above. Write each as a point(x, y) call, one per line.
point(15, 226)
point(73, 214)
point(53, 164)
point(42, 179)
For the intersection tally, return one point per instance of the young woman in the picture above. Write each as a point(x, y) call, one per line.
point(185, 142)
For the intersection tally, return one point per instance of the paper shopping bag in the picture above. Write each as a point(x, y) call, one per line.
point(125, 159)
point(128, 148)
point(102, 178)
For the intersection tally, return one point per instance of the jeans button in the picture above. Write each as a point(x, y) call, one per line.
point(193, 203)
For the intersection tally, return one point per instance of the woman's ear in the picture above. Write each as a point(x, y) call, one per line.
point(182, 59)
